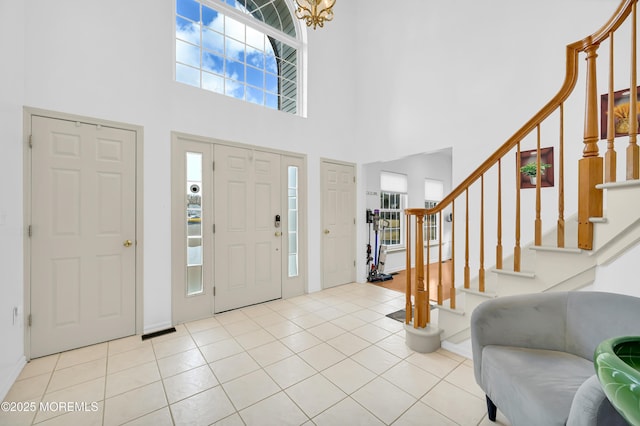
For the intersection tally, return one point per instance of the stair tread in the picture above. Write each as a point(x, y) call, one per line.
point(524, 274)
point(557, 249)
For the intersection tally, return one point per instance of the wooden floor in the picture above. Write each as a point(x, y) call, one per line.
point(399, 281)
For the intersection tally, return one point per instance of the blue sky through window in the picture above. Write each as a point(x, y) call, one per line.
point(225, 55)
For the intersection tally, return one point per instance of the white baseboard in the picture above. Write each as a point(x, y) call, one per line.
point(10, 379)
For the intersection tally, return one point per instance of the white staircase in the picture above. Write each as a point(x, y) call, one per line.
point(548, 268)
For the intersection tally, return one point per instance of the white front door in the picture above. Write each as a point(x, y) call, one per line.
point(83, 248)
point(338, 217)
point(248, 227)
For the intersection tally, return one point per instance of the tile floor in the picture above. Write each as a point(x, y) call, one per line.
point(327, 358)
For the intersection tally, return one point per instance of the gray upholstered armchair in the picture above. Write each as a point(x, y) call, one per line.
point(533, 355)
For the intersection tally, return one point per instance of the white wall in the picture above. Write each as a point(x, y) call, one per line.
point(620, 276)
point(11, 224)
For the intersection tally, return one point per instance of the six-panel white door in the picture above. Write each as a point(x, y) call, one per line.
point(338, 204)
point(248, 239)
point(83, 235)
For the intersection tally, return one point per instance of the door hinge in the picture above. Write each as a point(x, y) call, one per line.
point(214, 228)
point(354, 263)
point(30, 230)
point(214, 291)
point(30, 141)
point(29, 320)
point(213, 166)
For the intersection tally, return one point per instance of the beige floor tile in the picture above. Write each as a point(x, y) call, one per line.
point(386, 401)
point(171, 347)
point(322, 356)
point(396, 345)
point(241, 327)
point(232, 420)
point(132, 378)
point(300, 341)
point(233, 367)
point(19, 415)
point(201, 325)
point(376, 359)
point(451, 355)
point(391, 325)
point(231, 317)
point(346, 307)
point(253, 339)
point(220, 350)
point(181, 331)
point(249, 389)
point(256, 311)
point(90, 415)
point(269, 319)
point(315, 394)
point(410, 378)
point(329, 313)
point(348, 343)
point(89, 394)
point(189, 383)
point(203, 409)
point(501, 420)
point(77, 374)
point(30, 388)
point(417, 414)
point(367, 315)
point(290, 371)
point(276, 410)
point(82, 355)
point(212, 335)
point(348, 375)
point(308, 320)
point(283, 329)
point(434, 363)
point(179, 363)
point(124, 360)
point(270, 353)
point(162, 417)
point(348, 322)
point(127, 344)
point(463, 378)
point(326, 331)
point(447, 400)
point(133, 404)
point(347, 412)
point(39, 366)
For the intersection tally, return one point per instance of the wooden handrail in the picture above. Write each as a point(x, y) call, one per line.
point(571, 77)
point(590, 173)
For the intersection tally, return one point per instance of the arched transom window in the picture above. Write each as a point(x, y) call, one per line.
point(246, 49)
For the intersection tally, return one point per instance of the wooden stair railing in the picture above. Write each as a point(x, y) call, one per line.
point(592, 170)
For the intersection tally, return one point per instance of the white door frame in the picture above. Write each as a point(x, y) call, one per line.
point(323, 189)
point(30, 112)
point(290, 286)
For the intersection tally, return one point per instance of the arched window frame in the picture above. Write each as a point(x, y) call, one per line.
point(299, 42)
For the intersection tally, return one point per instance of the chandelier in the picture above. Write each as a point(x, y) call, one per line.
point(315, 12)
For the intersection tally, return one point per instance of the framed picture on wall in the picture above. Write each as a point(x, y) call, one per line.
point(528, 167)
point(620, 112)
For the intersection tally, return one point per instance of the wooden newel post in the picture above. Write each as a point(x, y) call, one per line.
point(421, 317)
point(590, 167)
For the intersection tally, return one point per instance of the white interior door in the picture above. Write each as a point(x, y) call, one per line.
point(83, 234)
point(338, 216)
point(248, 241)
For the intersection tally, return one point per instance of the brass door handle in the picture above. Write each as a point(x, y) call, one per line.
point(326, 231)
point(278, 234)
point(127, 243)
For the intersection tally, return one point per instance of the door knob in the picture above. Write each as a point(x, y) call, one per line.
point(278, 234)
point(127, 243)
point(326, 231)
